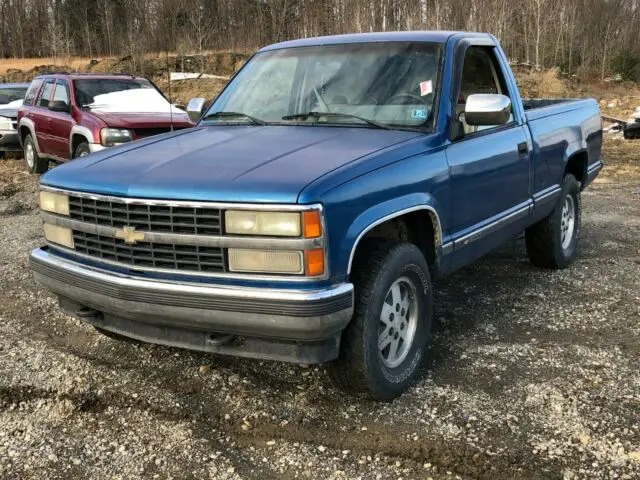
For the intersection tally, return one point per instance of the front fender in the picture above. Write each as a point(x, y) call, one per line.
point(25, 122)
point(382, 212)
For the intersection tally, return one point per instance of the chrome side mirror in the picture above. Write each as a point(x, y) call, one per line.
point(487, 109)
point(194, 108)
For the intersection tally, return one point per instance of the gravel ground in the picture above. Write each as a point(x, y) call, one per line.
point(531, 374)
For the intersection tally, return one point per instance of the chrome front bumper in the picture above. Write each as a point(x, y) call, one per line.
point(280, 324)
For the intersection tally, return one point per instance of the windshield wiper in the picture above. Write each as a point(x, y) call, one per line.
point(303, 116)
point(253, 120)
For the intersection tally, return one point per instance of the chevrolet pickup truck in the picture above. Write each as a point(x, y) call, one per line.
point(69, 115)
point(305, 216)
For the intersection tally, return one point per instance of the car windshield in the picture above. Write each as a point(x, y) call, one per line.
point(115, 95)
point(11, 94)
point(373, 85)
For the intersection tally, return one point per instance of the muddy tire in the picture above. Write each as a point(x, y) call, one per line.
point(382, 348)
point(35, 164)
point(553, 241)
point(82, 150)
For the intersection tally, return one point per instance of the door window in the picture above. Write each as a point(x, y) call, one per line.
point(481, 73)
point(45, 96)
point(62, 92)
point(32, 91)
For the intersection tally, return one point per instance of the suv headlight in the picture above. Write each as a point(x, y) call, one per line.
point(5, 123)
point(110, 137)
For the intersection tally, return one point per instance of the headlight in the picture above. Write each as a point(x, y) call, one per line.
point(280, 224)
point(60, 235)
point(114, 136)
point(5, 123)
point(277, 224)
point(54, 202)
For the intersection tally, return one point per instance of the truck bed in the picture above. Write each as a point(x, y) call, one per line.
point(536, 108)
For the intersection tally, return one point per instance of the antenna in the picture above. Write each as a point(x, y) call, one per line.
point(170, 100)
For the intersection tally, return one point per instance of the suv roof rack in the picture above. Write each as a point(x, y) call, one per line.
point(123, 74)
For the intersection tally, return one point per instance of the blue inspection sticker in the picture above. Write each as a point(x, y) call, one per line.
point(419, 114)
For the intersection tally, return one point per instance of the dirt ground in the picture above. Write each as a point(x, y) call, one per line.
point(531, 374)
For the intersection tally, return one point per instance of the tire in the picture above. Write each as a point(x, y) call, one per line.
point(553, 241)
point(35, 164)
point(362, 367)
point(82, 150)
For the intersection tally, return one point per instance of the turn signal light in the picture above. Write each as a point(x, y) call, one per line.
point(311, 224)
point(314, 262)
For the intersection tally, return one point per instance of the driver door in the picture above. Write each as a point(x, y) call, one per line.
point(489, 165)
point(61, 123)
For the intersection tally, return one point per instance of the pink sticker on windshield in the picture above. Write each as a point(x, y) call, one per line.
point(426, 88)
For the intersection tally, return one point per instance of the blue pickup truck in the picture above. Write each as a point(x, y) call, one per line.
point(305, 215)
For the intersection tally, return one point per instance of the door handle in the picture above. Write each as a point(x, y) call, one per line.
point(523, 149)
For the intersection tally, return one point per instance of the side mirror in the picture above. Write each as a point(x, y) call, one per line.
point(194, 108)
point(59, 106)
point(487, 109)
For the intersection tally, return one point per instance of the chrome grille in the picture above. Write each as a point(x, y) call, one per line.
point(147, 217)
point(150, 255)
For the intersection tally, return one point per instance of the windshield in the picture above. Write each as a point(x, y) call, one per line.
point(112, 95)
point(389, 84)
point(11, 94)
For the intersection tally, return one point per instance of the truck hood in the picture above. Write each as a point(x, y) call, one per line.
point(143, 120)
point(270, 164)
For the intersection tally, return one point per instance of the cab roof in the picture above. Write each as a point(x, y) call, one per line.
point(428, 36)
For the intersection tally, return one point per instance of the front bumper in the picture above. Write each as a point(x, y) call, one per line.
point(277, 324)
point(9, 141)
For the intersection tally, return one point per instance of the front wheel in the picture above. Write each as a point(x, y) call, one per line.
point(553, 241)
point(382, 349)
point(35, 164)
point(82, 150)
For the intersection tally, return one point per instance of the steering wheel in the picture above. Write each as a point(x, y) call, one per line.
point(409, 95)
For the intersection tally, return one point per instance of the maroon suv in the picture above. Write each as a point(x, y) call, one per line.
point(69, 115)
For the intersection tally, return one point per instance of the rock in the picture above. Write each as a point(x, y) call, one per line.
point(635, 456)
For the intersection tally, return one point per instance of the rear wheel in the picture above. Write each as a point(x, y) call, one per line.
point(382, 349)
point(553, 241)
point(35, 164)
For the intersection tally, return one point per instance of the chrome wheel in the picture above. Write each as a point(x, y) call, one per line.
point(29, 154)
point(398, 322)
point(568, 220)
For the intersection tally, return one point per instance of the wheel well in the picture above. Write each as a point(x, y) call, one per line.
point(420, 228)
point(76, 140)
point(24, 131)
point(577, 166)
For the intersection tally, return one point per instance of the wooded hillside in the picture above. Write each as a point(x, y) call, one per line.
point(578, 36)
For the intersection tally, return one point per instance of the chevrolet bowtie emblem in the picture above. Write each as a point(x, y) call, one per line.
point(129, 235)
